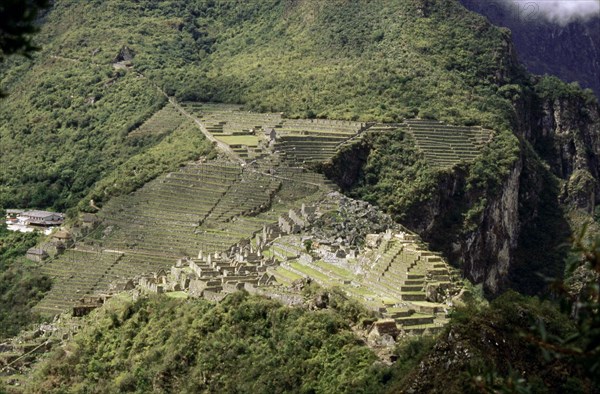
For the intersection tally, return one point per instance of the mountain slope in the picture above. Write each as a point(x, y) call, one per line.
point(77, 122)
point(570, 51)
point(64, 126)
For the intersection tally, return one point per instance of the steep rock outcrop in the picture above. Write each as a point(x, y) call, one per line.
point(354, 157)
point(503, 236)
point(566, 133)
point(478, 232)
point(488, 251)
point(570, 51)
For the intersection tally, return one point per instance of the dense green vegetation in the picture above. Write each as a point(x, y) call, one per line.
point(499, 350)
point(552, 88)
point(251, 344)
point(381, 59)
point(67, 130)
point(395, 176)
point(63, 128)
point(21, 286)
point(243, 344)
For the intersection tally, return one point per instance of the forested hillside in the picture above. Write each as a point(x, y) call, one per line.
point(115, 98)
point(249, 344)
point(64, 127)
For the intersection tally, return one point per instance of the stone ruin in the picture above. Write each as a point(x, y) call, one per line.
point(88, 303)
point(337, 242)
point(212, 275)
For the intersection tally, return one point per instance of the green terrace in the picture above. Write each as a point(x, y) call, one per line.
point(204, 206)
point(394, 285)
point(75, 274)
point(306, 141)
point(249, 133)
point(164, 121)
point(210, 206)
point(444, 145)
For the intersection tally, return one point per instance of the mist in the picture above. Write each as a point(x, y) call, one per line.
point(557, 11)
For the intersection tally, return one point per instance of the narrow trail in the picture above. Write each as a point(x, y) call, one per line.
point(221, 146)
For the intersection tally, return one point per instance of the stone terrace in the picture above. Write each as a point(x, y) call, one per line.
point(253, 135)
point(445, 145)
point(302, 141)
point(75, 273)
point(164, 121)
point(204, 206)
point(213, 205)
point(298, 142)
point(399, 277)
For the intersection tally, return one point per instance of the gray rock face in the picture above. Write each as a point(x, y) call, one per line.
point(569, 51)
point(573, 128)
point(353, 221)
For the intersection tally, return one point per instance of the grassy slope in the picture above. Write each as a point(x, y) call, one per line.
point(57, 144)
point(342, 59)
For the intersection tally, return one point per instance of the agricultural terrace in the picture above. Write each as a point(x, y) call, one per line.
point(215, 204)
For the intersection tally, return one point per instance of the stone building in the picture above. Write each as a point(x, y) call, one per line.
point(35, 254)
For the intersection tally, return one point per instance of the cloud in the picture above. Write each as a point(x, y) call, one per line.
point(558, 11)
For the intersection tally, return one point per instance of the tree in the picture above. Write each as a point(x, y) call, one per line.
point(580, 298)
point(18, 24)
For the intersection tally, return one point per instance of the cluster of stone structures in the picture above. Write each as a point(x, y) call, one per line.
point(245, 266)
point(58, 242)
point(46, 222)
point(239, 216)
point(210, 276)
point(390, 271)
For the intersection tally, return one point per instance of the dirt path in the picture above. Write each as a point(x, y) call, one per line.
point(221, 146)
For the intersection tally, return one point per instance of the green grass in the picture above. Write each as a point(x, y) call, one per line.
point(177, 294)
point(271, 252)
point(312, 273)
point(340, 272)
point(249, 140)
point(285, 276)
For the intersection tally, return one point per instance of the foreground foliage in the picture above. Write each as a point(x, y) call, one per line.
point(21, 286)
point(251, 344)
point(500, 349)
point(243, 344)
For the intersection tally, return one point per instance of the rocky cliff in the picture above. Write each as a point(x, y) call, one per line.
point(566, 133)
point(570, 51)
point(507, 233)
point(524, 225)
